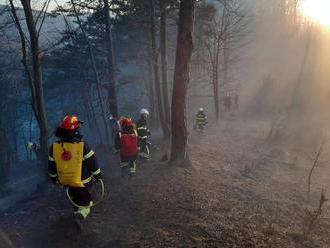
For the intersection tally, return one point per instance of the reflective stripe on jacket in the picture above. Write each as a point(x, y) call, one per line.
point(142, 129)
point(201, 117)
point(90, 167)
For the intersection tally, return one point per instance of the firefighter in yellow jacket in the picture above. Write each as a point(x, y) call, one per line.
point(72, 164)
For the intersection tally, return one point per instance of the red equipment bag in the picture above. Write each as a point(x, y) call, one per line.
point(129, 145)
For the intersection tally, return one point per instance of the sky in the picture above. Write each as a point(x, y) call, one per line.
point(36, 3)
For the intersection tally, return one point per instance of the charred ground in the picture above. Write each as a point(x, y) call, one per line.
point(242, 191)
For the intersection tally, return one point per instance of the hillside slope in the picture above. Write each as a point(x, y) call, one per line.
point(240, 192)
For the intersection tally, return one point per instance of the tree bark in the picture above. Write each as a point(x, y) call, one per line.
point(24, 57)
point(224, 30)
point(215, 76)
point(151, 90)
point(165, 127)
point(5, 158)
point(216, 86)
point(111, 64)
point(179, 137)
point(163, 55)
point(37, 82)
point(225, 24)
point(30, 133)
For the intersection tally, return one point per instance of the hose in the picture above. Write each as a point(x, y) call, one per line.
point(93, 204)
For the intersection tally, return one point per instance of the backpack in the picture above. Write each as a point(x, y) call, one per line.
point(129, 144)
point(68, 158)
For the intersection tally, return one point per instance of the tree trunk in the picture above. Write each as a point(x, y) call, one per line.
point(179, 137)
point(37, 82)
point(30, 133)
point(225, 24)
point(110, 58)
point(215, 81)
point(163, 55)
point(164, 126)
point(5, 158)
point(151, 90)
point(216, 91)
point(297, 85)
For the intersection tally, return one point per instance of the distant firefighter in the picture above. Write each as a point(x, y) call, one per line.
point(236, 101)
point(144, 134)
point(227, 102)
point(201, 119)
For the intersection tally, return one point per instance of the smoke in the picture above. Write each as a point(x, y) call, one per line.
point(214, 4)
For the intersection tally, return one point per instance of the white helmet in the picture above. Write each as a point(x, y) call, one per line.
point(144, 112)
point(201, 109)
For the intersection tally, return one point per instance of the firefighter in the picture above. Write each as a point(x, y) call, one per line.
point(227, 102)
point(236, 101)
point(72, 164)
point(126, 143)
point(144, 133)
point(201, 119)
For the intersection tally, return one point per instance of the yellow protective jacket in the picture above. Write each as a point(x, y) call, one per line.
point(83, 157)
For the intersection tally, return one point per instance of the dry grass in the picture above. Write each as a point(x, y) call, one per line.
point(240, 192)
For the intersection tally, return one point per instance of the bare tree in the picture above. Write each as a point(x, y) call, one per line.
point(151, 90)
point(222, 34)
point(162, 118)
point(213, 44)
point(96, 74)
point(316, 162)
point(34, 76)
point(163, 55)
point(312, 217)
point(89, 108)
point(179, 138)
point(110, 58)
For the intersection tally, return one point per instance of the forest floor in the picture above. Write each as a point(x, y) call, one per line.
point(241, 191)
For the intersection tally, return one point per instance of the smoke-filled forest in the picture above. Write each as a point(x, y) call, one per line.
point(164, 123)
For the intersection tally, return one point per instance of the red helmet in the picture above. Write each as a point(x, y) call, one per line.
point(126, 122)
point(70, 123)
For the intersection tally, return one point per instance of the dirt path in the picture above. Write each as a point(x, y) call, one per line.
point(240, 192)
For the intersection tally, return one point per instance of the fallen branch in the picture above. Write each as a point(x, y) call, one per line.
point(316, 162)
point(313, 216)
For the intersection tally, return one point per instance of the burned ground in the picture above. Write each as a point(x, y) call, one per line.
point(241, 191)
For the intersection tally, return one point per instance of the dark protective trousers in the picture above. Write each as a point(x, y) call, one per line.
point(83, 198)
point(144, 148)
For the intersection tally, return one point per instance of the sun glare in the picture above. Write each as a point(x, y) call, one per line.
point(316, 10)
